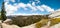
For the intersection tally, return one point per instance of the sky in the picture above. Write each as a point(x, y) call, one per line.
point(30, 7)
point(1, 3)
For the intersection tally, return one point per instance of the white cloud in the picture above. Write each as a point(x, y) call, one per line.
point(40, 8)
point(12, 0)
point(47, 8)
point(24, 14)
point(10, 9)
point(33, 3)
point(58, 9)
point(32, 7)
point(9, 0)
point(6, 0)
point(21, 5)
point(13, 8)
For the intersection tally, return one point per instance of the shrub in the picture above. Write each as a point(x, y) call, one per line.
point(22, 21)
point(44, 22)
point(41, 23)
point(55, 21)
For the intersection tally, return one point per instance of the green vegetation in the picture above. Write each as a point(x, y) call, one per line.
point(27, 20)
point(0, 15)
point(55, 21)
point(3, 12)
point(44, 22)
point(41, 23)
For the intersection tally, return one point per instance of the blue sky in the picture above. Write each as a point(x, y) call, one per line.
point(1, 3)
point(30, 7)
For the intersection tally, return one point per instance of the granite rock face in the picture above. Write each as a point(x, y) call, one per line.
point(6, 24)
point(55, 14)
point(9, 26)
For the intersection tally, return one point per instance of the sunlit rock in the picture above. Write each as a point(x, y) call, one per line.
point(8, 24)
point(55, 14)
point(30, 26)
point(56, 26)
point(0, 23)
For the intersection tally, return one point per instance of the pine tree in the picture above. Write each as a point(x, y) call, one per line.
point(0, 15)
point(3, 12)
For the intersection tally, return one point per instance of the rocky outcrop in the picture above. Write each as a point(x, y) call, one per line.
point(7, 24)
point(4, 25)
point(55, 14)
point(56, 26)
point(30, 26)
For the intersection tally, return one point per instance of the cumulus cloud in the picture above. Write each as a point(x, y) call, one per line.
point(47, 8)
point(24, 14)
point(43, 8)
point(58, 9)
point(40, 8)
point(9, 0)
point(12, 0)
point(33, 3)
point(33, 8)
point(10, 9)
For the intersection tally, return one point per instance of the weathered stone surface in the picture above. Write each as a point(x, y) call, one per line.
point(9, 26)
point(0, 23)
point(55, 14)
point(56, 26)
point(6, 24)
